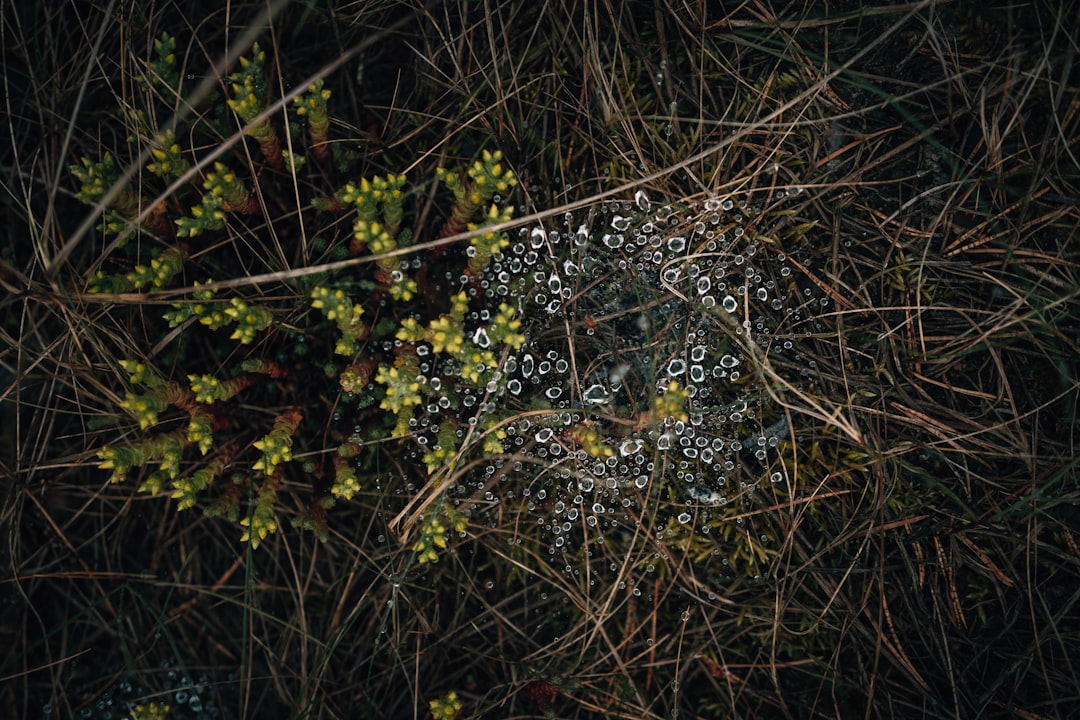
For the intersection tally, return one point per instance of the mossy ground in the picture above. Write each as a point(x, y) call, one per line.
point(915, 165)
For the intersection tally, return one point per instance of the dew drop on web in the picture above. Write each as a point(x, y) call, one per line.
point(480, 337)
point(642, 201)
point(595, 395)
point(638, 312)
point(537, 238)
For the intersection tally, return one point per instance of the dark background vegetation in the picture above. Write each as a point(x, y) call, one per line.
point(927, 569)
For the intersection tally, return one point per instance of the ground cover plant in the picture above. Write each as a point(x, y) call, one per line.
point(539, 360)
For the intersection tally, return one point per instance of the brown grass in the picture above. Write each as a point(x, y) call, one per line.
point(923, 555)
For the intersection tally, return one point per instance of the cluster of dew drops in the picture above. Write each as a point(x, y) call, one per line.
point(617, 306)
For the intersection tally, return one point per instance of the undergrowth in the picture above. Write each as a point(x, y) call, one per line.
point(448, 360)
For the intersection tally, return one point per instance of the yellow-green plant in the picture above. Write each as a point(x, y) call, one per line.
point(446, 707)
point(433, 536)
point(215, 449)
point(169, 161)
point(162, 72)
point(98, 180)
point(488, 177)
point(151, 711)
point(249, 99)
point(313, 106)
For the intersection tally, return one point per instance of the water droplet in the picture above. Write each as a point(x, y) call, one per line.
point(480, 337)
point(676, 244)
point(729, 361)
point(676, 367)
point(536, 239)
point(730, 304)
point(684, 518)
point(595, 395)
point(762, 294)
point(613, 241)
point(642, 201)
point(544, 435)
point(620, 223)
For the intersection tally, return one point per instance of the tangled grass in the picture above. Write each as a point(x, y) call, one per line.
point(915, 165)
